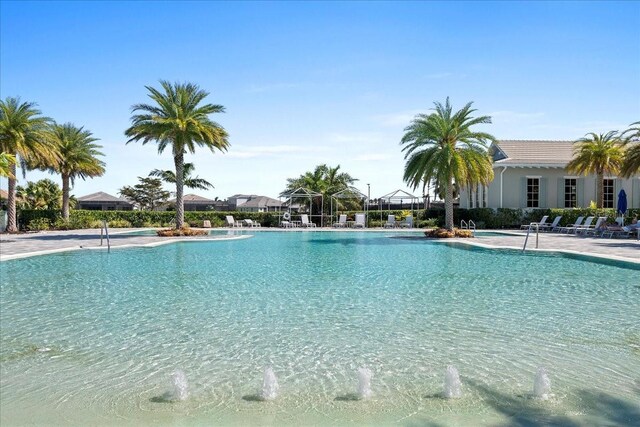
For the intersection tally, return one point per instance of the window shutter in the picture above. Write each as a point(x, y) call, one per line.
point(543, 193)
point(560, 193)
point(580, 191)
point(523, 192)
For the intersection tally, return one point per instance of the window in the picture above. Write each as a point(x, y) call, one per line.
point(470, 198)
point(485, 190)
point(478, 205)
point(607, 200)
point(533, 192)
point(570, 193)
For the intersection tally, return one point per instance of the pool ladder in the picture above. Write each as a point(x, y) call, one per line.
point(105, 228)
point(464, 225)
point(537, 225)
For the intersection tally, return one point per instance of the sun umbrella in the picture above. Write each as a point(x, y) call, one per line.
point(622, 202)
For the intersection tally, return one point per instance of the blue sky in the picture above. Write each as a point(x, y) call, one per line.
point(320, 82)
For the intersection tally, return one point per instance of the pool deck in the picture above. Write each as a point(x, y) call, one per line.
point(14, 246)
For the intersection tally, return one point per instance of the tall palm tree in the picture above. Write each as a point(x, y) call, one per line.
point(178, 119)
point(6, 161)
point(325, 180)
point(599, 154)
point(631, 165)
point(78, 158)
point(441, 147)
point(189, 181)
point(23, 134)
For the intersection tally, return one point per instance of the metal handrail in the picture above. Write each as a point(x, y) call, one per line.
point(464, 225)
point(471, 223)
point(537, 225)
point(105, 227)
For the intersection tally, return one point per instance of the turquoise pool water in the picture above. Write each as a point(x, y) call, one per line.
point(92, 338)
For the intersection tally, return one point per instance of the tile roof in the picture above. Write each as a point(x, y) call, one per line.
point(532, 153)
point(100, 197)
point(261, 202)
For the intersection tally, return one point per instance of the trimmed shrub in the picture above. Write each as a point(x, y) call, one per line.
point(443, 233)
point(39, 224)
point(184, 231)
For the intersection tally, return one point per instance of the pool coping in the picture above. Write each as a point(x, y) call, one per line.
point(127, 246)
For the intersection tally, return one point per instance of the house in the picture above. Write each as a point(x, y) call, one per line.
point(253, 203)
point(193, 202)
point(533, 174)
point(101, 201)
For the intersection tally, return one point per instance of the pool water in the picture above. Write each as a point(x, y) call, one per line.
point(93, 338)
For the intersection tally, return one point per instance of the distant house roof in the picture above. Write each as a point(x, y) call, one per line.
point(261, 202)
point(194, 199)
point(102, 197)
point(527, 153)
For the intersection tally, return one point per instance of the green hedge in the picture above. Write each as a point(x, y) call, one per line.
point(483, 217)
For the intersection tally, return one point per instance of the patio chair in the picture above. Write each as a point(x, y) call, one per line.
point(596, 230)
point(586, 225)
point(391, 222)
point(305, 221)
point(540, 223)
point(568, 227)
point(552, 226)
point(342, 221)
point(408, 222)
point(360, 221)
point(251, 223)
point(232, 222)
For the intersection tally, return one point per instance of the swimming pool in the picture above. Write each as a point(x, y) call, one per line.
point(90, 338)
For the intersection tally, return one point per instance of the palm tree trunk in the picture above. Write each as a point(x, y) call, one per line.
point(448, 206)
point(65, 197)
point(11, 202)
point(600, 190)
point(179, 162)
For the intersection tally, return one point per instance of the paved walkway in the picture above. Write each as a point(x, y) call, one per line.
point(21, 245)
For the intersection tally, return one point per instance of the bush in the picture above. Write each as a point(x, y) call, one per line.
point(39, 224)
point(443, 233)
point(119, 223)
point(184, 231)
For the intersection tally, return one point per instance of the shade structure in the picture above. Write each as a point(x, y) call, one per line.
point(622, 202)
point(353, 194)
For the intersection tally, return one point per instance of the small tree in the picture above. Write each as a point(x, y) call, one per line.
point(147, 195)
point(43, 194)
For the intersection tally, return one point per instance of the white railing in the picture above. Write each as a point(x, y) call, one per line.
point(464, 225)
point(526, 239)
point(105, 228)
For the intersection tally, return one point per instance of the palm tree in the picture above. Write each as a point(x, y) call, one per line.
point(23, 134)
point(631, 163)
point(599, 154)
point(43, 194)
point(178, 120)
point(78, 158)
point(441, 147)
point(189, 182)
point(6, 161)
point(324, 179)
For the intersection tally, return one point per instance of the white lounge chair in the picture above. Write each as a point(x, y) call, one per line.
point(251, 223)
point(552, 226)
point(232, 222)
point(342, 222)
point(360, 221)
point(391, 222)
point(585, 226)
point(305, 221)
point(592, 230)
point(570, 227)
point(542, 222)
point(408, 222)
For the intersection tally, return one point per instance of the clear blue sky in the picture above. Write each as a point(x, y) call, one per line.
point(327, 82)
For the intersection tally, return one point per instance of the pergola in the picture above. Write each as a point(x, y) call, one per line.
point(303, 193)
point(397, 196)
point(351, 193)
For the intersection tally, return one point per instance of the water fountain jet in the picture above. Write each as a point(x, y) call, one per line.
point(269, 385)
point(542, 384)
point(452, 384)
point(364, 383)
point(179, 386)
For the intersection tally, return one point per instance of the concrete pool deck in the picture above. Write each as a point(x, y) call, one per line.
point(13, 246)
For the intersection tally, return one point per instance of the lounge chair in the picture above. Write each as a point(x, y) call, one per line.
point(232, 222)
point(552, 226)
point(342, 222)
point(408, 222)
point(360, 221)
point(541, 223)
point(569, 227)
point(596, 230)
point(305, 221)
point(391, 222)
point(251, 223)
